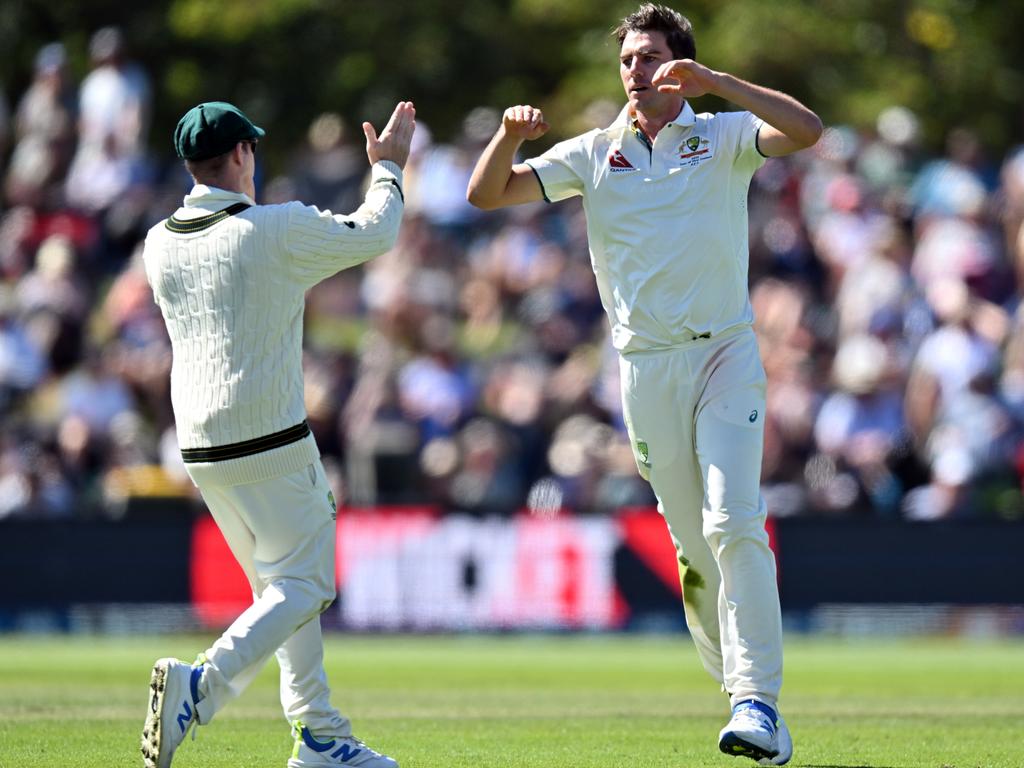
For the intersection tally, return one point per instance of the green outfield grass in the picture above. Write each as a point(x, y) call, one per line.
point(534, 702)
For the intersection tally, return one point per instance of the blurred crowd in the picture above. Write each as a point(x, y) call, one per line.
point(470, 367)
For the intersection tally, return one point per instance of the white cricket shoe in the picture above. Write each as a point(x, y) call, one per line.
point(754, 732)
point(172, 710)
point(339, 751)
point(785, 745)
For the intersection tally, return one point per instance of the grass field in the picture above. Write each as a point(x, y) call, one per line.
point(533, 702)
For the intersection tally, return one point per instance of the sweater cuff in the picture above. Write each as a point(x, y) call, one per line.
point(384, 169)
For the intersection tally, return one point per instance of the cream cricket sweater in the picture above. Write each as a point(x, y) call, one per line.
point(232, 295)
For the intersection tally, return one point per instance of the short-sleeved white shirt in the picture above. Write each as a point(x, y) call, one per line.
point(667, 225)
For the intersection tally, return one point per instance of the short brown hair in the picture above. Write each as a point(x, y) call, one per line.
point(659, 18)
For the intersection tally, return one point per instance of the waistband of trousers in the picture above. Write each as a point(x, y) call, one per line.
point(692, 340)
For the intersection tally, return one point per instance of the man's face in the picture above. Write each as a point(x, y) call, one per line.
point(639, 58)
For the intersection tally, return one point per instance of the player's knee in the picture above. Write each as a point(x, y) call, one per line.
point(325, 594)
point(329, 596)
point(724, 529)
point(308, 598)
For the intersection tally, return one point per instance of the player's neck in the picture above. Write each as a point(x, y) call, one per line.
point(651, 121)
point(229, 182)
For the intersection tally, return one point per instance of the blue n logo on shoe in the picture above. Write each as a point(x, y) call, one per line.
point(345, 753)
point(185, 717)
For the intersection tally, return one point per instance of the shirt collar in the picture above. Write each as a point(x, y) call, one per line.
point(685, 119)
point(203, 196)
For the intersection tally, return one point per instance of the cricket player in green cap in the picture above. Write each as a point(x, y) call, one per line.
point(230, 277)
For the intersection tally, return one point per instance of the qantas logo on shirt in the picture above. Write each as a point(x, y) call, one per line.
point(617, 162)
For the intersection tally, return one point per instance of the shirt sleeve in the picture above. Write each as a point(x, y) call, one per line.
point(322, 243)
point(561, 169)
point(741, 131)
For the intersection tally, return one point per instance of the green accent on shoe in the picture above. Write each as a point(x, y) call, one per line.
point(297, 727)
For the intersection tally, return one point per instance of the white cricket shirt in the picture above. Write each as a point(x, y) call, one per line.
point(667, 224)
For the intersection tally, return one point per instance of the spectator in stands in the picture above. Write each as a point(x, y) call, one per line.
point(115, 97)
point(22, 363)
point(44, 131)
point(53, 285)
point(114, 111)
point(329, 172)
point(442, 173)
point(861, 423)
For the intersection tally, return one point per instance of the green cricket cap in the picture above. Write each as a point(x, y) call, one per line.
point(211, 129)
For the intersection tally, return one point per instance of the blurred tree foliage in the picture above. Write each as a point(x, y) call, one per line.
point(953, 62)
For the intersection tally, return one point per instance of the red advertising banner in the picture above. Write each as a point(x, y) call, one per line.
point(411, 568)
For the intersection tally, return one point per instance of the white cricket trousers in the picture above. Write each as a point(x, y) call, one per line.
point(695, 415)
point(282, 532)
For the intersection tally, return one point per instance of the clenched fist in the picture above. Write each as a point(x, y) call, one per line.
point(524, 122)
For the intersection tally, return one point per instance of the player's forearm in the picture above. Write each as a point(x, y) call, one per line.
point(493, 171)
point(380, 215)
point(778, 109)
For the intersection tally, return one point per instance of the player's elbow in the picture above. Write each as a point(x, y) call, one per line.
point(477, 198)
point(381, 236)
point(810, 131)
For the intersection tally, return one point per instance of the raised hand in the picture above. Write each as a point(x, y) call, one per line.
point(394, 141)
point(690, 78)
point(524, 122)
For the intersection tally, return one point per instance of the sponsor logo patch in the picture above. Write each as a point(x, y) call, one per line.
point(617, 162)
